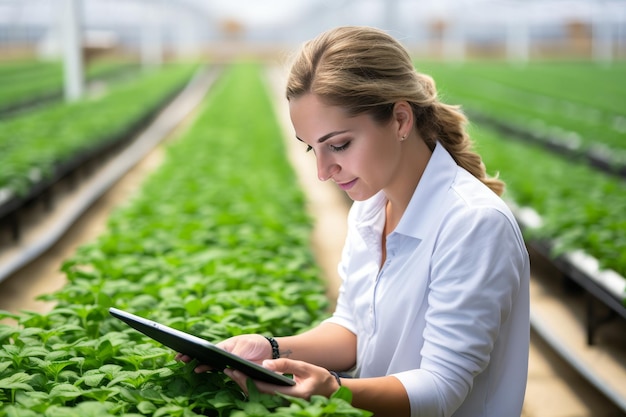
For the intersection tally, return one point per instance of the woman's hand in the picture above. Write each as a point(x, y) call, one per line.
point(252, 347)
point(310, 379)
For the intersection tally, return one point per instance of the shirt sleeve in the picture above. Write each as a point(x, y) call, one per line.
point(476, 273)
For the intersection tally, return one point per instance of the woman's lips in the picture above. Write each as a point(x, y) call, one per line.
point(347, 185)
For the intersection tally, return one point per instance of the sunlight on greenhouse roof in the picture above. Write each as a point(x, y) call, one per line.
point(448, 28)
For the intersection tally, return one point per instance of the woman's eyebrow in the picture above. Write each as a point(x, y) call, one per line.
point(326, 136)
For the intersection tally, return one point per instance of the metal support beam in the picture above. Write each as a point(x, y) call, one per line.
point(151, 39)
point(73, 65)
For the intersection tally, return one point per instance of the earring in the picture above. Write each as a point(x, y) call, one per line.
point(403, 138)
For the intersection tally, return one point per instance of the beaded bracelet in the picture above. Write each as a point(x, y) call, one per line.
point(336, 375)
point(275, 351)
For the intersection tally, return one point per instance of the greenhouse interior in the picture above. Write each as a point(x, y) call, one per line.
point(149, 163)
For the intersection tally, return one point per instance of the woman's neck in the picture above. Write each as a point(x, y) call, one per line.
point(415, 157)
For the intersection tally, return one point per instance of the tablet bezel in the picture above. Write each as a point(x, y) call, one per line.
point(198, 348)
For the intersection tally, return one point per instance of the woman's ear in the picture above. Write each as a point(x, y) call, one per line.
point(403, 119)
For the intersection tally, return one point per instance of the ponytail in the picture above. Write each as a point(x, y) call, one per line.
point(454, 137)
point(444, 123)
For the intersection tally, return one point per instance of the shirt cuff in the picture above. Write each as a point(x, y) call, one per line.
point(341, 322)
point(422, 392)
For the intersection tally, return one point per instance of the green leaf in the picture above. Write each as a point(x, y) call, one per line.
point(146, 407)
point(34, 351)
point(93, 377)
point(105, 350)
point(223, 399)
point(194, 306)
point(254, 409)
point(343, 393)
point(17, 381)
point(11, 410)
point(7, 332)
point(100, 394)
point(4, 366)
point(64, 392)
point(169, 411)
point(4, 314)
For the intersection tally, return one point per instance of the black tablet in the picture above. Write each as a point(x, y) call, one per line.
point(200, 349)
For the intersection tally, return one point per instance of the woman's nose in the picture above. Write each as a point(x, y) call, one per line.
point(326, 167)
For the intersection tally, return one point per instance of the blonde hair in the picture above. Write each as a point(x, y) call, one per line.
point(364, 70)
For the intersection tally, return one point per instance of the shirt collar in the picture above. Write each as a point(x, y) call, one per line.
point(425, 204)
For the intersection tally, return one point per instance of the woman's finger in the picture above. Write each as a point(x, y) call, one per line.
point(202, 368)
point(198, 369)
point(287, 366)
point(239, 377)
point(182, 357)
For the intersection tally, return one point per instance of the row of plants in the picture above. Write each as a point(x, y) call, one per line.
point(23, 81)
point(216, 243)
point(16, 66)
point(30, 82)
point(35, 144)
point(579, 207)
point(591, 83)
point(577, 107)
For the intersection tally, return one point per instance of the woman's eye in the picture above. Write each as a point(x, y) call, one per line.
point(333, 148)
point(340, 147)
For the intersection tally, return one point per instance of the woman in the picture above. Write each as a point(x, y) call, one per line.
point(432, 317)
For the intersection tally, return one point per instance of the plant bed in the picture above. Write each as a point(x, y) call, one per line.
point(566, 144)
point(215, 244)
point(574, 108)
point(573, 209)
point(605, 286)
point(30, 84)
point(45, 147)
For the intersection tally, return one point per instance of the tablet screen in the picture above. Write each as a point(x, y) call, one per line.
point(200, 349)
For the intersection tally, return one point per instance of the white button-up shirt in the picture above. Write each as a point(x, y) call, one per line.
point(448, 312)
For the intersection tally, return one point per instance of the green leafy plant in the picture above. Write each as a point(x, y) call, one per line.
point(216, 243)
point(579, 102)
point(580, 207)
point(34, 145)
point(33, 82)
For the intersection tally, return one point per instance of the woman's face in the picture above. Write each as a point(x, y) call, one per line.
point(360, 155)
